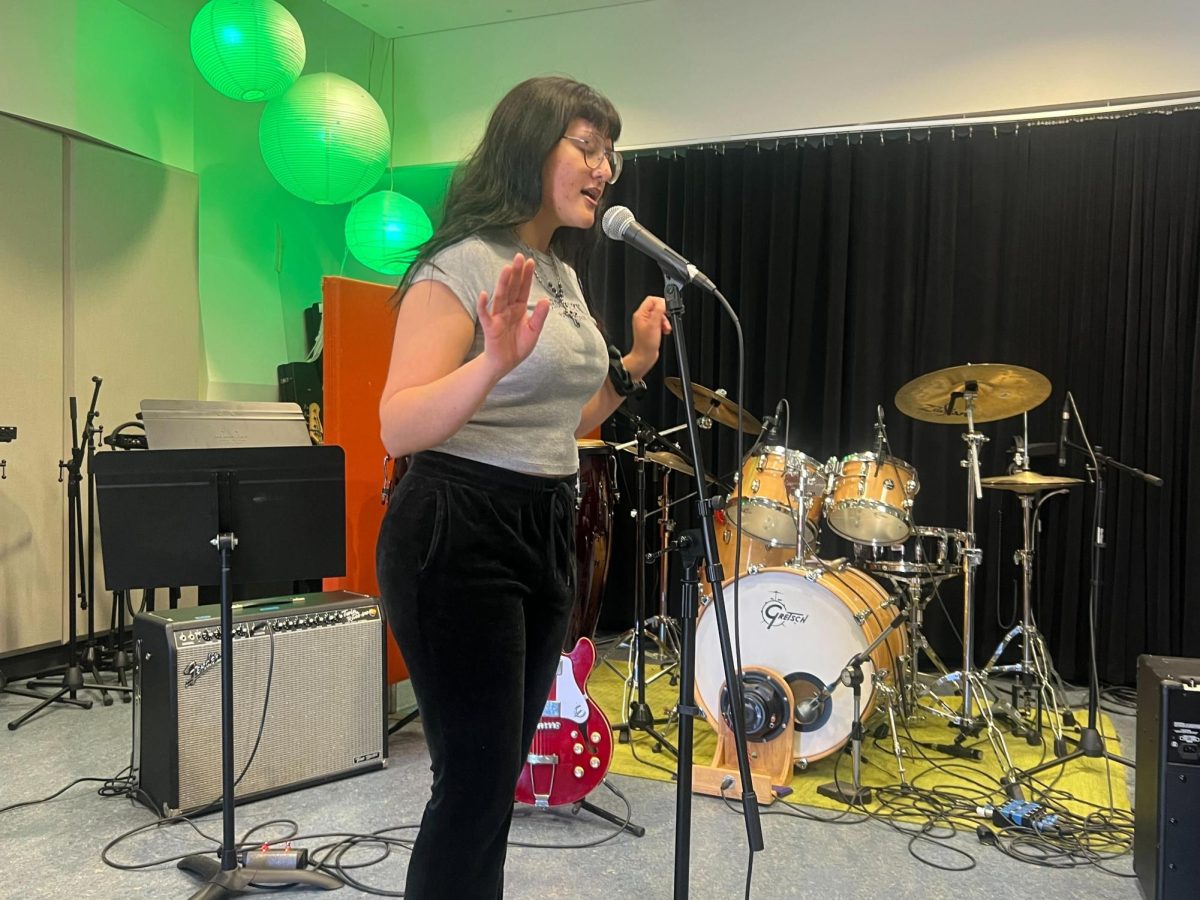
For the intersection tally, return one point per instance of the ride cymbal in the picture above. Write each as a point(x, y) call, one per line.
point(1001, 391)
point(1029, 482)
point(716, 406)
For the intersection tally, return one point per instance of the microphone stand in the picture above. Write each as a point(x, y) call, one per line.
point(688, 711)
point(1091, 743)
point(852, 677)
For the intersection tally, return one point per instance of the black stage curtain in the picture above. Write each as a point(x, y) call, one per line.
point(856, 264)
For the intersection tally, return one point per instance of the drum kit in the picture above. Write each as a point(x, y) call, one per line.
point(804, 616)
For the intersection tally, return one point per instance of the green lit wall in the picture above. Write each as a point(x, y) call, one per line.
point(121, 73)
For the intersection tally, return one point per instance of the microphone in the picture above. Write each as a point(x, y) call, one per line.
point(620, 225)
point(1062, 435)
point(807, 710)
point(773, 430)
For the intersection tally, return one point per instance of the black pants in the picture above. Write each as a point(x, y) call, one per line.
point(477, 569)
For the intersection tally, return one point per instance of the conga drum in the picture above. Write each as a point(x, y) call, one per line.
point(593, 536)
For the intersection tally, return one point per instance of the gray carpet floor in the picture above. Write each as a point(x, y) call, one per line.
point(53, 849)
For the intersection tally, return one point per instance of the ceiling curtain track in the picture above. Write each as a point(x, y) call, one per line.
point(855, 266)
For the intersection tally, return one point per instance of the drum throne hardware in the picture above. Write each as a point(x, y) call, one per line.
point(1090, 744)
point(1035, 686)
point(977, 393)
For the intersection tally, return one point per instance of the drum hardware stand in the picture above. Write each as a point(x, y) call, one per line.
point(640, 716)
point(72, 681)
point(893, 698)
point(1090, 744)
point(852, 677)
point(695, 549)
point(1032, 669)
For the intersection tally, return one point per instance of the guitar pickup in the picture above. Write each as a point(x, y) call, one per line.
point(540, 759)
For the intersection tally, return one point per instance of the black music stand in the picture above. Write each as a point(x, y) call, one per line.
point(176, 517)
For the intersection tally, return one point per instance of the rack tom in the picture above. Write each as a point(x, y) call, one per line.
point(871, 499)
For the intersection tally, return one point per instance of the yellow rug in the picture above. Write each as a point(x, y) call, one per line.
point(1092, 783)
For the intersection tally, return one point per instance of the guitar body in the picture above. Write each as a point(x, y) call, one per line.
point(573, 746)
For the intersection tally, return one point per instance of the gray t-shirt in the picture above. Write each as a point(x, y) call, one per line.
point(527, 422)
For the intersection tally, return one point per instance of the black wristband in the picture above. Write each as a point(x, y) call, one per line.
point(623, 383)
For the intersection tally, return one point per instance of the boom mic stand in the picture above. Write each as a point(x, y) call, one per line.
point(688, 710)
point(850, 676)
point(1091, 743)
point(72, 675)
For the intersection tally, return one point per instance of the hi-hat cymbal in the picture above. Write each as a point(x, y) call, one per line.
point(1002, 391)
point(715, 406)
point(1029, 482)
point(672, 461)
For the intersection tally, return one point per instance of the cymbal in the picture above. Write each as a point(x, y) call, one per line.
point(672, 461)
point(1003, 391)
point(1029, 482)
point(715, 406)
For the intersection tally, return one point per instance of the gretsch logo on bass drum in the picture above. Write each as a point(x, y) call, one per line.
point(775, 612)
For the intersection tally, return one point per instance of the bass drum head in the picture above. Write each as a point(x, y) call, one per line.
point(801, 623)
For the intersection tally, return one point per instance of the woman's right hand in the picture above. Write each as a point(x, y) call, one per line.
point(510, 331)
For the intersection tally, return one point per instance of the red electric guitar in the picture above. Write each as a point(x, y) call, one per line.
point(573, 746)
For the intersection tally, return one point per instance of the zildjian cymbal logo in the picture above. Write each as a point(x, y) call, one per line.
point(775, 612)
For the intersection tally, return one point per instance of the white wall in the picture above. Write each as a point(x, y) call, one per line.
point(681, 70)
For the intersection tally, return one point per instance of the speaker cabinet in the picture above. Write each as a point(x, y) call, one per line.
point(1166, 837)
point(324, 716)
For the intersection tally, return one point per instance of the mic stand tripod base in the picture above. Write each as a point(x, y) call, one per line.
point(243, 879)
point(847, 794)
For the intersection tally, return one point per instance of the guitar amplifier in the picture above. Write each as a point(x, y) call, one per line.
point(324, 716)
point(1166, 831)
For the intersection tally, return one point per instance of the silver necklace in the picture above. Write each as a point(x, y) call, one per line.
point(554, 290)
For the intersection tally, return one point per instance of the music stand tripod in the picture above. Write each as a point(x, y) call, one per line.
point(176, 517)
point(1091, 744)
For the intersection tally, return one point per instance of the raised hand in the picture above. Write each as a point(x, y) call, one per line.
point(510, 331)
point(650, 323)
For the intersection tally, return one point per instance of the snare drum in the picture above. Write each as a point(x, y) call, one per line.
point(871, 499)
point(929, 554)
point(805, 624)
point(593, 536)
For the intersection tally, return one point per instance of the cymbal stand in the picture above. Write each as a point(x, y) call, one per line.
point(640, 717)
point(968, 679)
point(1035, 686)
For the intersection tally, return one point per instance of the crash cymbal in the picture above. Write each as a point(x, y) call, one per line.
point(716, 406)
point(1003, 391)
point(672, 461)
point(1029, 482)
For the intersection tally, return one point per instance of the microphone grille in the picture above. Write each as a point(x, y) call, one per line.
point(617, 221)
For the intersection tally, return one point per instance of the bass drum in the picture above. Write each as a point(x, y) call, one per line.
point(806, 624)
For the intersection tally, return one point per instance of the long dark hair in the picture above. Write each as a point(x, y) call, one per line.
point(499, 185)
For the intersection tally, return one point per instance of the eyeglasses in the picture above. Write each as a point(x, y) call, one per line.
point(594, 153)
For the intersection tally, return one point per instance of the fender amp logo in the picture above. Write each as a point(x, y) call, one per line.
point(194, 670)
point(775, 612)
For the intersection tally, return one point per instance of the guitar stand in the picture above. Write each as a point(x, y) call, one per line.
point(632, 827)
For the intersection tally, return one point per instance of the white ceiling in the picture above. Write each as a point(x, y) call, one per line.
point(402, 18)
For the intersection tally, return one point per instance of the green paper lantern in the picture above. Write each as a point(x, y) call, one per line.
point(384, 230)
point(326, 139)
point(247, 49)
